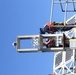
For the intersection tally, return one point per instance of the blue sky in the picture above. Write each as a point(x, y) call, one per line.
point(24, 17)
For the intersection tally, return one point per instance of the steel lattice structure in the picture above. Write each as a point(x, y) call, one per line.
point(64, 58)
point(64, 61)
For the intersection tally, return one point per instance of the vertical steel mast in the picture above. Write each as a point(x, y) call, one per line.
point(64, 61)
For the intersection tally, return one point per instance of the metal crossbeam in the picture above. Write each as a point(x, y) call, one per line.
point(39, 41)
point(41, 50)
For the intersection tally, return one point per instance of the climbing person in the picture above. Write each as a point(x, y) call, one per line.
point(50, 42)
point(48, 27)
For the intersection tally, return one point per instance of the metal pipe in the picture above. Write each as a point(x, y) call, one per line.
point(65, 14)
point(61, 5)
point(51, 13)
point(73, 4)
point(69, 10)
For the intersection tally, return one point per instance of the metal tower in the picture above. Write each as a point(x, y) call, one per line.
point(64, 61)
point(64, 57)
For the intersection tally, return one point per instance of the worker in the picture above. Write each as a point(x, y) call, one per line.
point(50, 42)
point(70, 32)
point(48, 27)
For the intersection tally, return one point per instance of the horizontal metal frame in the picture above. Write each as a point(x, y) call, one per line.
point(28, 36)
point(40, 50)
point(69, 10)
point(37, 36)
point(50, 35)
point(40, 37)
point(19, 38)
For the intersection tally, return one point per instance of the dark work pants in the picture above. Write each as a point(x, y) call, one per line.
point(46, 29)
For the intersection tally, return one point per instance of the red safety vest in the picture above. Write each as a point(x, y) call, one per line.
point(50, 24)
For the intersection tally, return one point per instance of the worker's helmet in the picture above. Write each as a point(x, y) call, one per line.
point(50, 24)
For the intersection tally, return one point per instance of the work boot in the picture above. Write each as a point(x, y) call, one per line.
point(42, 31)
